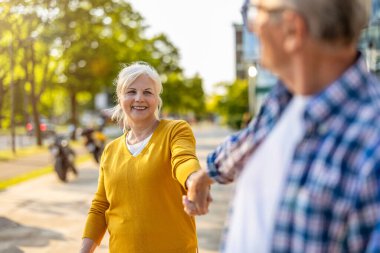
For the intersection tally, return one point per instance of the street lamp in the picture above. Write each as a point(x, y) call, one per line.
point(252, 73)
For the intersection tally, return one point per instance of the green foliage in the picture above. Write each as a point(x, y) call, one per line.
point(233, 104)
point(183, 96)
point(65, 52)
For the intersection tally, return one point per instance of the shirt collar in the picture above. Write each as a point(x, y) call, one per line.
point(329, 101)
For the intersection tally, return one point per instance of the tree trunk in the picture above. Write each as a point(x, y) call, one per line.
point(12, 87)
point(2, 91)
point(33, 97)
point(26, 111)
point(74, 120)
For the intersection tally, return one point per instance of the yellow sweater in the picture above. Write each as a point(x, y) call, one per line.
point(139, 199)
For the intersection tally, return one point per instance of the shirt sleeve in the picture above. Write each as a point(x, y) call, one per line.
point(184, 160)
point(224, 163)
point(228, 159)
point(96, 225)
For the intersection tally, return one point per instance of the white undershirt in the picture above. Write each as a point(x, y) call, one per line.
point(136, 148)
point(258, 189)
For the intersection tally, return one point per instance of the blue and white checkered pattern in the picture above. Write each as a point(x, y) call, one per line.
point(331, 201)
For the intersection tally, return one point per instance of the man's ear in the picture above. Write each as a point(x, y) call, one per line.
point(294, 31)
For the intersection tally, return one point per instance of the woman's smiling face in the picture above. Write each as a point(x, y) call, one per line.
point(140, 100)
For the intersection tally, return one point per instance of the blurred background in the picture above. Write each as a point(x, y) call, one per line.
point(58, 63)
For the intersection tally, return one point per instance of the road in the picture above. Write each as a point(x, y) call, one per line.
point(44, 215)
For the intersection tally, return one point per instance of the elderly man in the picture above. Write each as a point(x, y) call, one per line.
point(307, 168)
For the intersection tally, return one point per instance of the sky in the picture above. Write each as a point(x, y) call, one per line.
point(202, 30)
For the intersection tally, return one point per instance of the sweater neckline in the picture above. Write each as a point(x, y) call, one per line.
point(158, 128)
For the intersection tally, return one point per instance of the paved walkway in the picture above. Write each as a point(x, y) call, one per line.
point(43, 215)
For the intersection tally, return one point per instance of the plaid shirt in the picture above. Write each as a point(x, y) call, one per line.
point(331, 201)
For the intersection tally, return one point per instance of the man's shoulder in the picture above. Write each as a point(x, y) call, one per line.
point(359, 99)
point(361, 132)
point(367, 119)
point(369, 103)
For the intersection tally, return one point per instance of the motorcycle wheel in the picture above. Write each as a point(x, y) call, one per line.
point(60, 170)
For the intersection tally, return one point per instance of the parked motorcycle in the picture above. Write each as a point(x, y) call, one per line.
point(94, 141)
point(63, 156)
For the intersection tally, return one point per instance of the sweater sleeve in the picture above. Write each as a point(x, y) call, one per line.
point(184, 160)
point(96, 225)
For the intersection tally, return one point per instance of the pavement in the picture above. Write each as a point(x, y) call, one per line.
point(44, 215)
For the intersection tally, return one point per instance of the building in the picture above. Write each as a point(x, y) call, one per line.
point(247, 52)
point(239, 68)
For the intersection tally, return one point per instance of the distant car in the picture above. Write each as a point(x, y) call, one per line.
point(46, 127)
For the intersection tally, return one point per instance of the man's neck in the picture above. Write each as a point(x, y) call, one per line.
point(313, 70)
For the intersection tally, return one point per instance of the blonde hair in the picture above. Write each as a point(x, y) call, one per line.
point(125, 78)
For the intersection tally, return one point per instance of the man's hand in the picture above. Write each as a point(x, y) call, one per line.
point(198, 195)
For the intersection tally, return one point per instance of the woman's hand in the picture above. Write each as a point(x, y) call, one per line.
point(88, 246)
point(198, 195)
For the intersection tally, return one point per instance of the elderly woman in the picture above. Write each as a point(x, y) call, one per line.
point(143, 174)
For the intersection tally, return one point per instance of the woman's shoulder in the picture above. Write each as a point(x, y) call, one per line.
point(176, 128)
point(172, 124)
point(115, 143)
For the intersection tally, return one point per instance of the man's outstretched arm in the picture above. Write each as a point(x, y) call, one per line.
point(222, 166)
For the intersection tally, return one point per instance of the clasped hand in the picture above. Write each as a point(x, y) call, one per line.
point(198, 197)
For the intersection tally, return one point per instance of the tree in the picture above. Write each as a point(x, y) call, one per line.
point(70, 50)
point(233, 104)
point(24, 24)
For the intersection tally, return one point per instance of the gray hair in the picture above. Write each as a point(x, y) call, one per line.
point(333, 20)
point(125, 78)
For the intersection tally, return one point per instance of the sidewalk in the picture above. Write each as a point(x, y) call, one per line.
point(43, 215)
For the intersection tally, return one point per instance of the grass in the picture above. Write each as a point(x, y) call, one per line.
point(27, 176)
point(36, 173)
